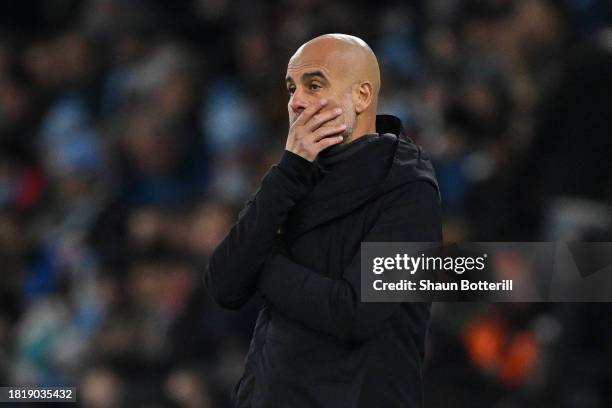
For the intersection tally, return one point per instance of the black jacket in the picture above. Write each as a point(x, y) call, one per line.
point(298, 242)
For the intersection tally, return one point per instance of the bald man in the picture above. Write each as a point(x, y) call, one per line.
point(347, 176)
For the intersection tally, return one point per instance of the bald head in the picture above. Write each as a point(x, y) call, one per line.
point(347, 54)
point(341, 68)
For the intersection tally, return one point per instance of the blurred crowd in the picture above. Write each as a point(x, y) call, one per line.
point(132, 131)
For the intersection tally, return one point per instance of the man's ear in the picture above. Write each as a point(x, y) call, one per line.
point(363, 96)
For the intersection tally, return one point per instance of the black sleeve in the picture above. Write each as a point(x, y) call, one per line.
point(232, 270)
point(333, 305)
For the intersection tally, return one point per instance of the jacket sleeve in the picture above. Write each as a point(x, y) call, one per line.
point(231, 274)
point(333, 305)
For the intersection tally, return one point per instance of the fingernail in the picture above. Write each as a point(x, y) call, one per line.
point(323, 101)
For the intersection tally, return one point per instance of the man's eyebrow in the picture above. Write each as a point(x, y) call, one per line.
point(308, 75)
point(313, 74)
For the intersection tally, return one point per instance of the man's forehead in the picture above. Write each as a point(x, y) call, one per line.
point(294, 71)
point(328, 63)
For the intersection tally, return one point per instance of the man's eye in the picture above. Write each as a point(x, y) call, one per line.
point(291, 90)
point(314, 87)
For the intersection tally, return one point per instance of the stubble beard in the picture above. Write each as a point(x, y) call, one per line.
point(348, 132)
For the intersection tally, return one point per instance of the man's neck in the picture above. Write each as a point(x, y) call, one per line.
point(363, 127)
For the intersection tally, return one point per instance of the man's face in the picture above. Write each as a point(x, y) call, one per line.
point(312, 76)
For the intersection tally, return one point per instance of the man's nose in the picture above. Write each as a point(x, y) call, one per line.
point(297, 103)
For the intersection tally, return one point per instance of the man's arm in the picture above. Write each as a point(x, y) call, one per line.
point(232, 271)
point(334, 305)
point(231, 274)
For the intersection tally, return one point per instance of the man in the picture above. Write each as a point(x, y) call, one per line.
point(345, 177)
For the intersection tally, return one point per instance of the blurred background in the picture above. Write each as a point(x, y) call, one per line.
point(132, 131)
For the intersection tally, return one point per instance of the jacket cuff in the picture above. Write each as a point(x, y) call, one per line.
point(297, 168)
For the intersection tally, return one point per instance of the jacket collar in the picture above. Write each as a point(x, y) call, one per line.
point(369, 167)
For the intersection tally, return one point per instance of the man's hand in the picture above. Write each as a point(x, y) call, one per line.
point(307, 137)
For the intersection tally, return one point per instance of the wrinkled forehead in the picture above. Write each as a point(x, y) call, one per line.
point(332, 62)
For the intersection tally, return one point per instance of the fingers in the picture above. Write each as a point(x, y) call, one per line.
point(321, 117)
point(307, 135)
point(309, 112)
point(325, 131)
point(328, 141)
